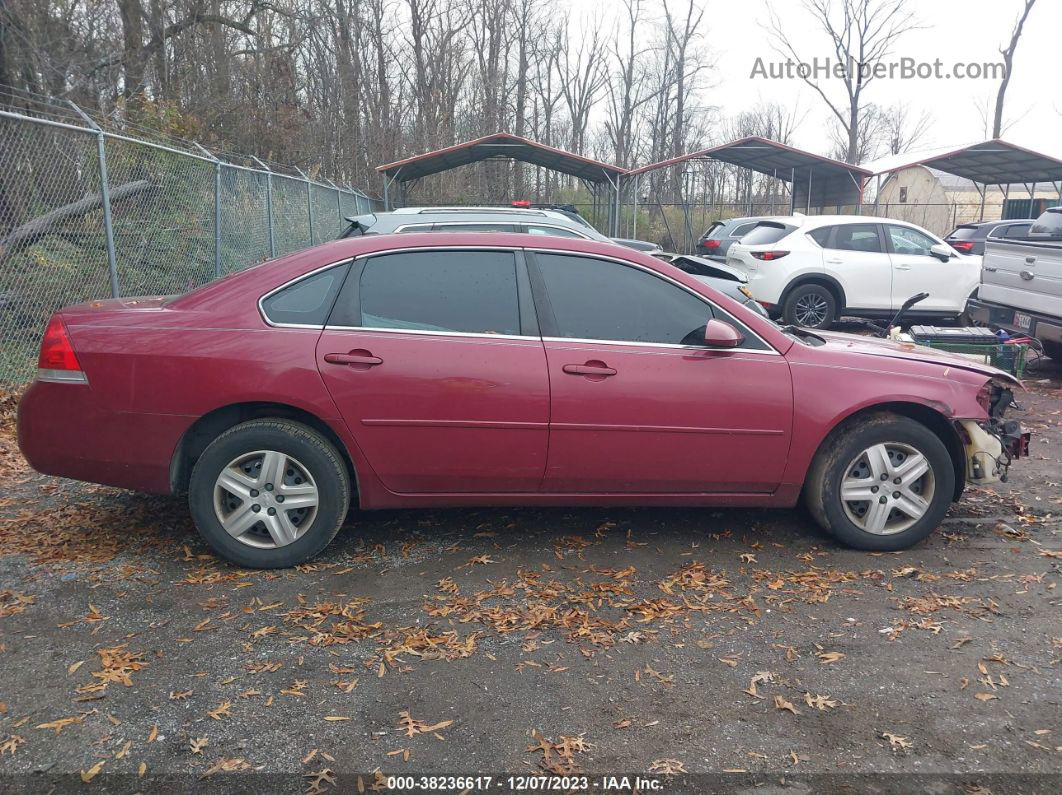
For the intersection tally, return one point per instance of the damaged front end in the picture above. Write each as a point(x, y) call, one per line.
point(992, 444)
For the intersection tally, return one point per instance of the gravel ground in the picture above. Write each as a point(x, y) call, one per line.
point(702, 650)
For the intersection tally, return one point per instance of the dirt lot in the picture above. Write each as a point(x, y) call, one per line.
point(704, 650)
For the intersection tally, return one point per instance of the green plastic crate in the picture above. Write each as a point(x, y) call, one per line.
point(1010, 358)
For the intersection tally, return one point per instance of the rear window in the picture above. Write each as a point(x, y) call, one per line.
point(766, 232)
point(743, 230)
point(964, 233)
point(1050, 223)
point(714, 231)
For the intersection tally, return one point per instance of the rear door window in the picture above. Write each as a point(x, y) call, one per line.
point(456, 291)
point(1016, 230)
point(857, 237)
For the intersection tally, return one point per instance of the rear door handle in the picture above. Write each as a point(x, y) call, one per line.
point(835, 261)
point(592, 368)
point(356, 357)
point(903, 267)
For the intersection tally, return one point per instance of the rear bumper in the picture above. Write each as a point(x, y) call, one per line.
point(63, 431)
point(1042, 327)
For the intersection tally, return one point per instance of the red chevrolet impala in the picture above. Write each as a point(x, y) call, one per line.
point(472, 369)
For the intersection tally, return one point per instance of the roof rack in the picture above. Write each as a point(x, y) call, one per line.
point(452, 210)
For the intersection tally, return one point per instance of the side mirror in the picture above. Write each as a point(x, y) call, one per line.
point(718, 334)
point(942, 252)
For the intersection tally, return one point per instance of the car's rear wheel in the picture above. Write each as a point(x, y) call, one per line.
point(881, 483)
point(810, 306)
point(269, 493)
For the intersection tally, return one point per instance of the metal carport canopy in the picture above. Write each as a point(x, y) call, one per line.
point(831, 181)
point(994, 162)
point(501, 145)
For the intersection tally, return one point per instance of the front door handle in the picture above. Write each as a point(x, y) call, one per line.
point(357, 357)
point(903, 267)
point(835, 261)
point(592, 369)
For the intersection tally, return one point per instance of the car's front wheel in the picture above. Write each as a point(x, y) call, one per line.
point(882, 483)
point(269, 493)
point(810, 306)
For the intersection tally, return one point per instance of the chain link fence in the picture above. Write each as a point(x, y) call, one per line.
point(88, 213)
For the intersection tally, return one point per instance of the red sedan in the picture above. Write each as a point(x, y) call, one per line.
point(472, 369)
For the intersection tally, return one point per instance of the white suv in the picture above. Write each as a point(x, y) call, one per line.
point(812, 269)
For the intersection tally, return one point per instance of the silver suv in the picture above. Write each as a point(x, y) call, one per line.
point(555, 223)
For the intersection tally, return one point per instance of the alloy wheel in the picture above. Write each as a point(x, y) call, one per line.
point(811, 310)
point(265, 499)
point(887, 488)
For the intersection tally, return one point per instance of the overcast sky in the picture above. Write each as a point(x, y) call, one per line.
point(953, 31)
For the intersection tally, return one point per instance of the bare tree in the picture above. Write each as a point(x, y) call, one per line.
point(868, 136)
point(628, 89)
point(583, 75)
point(681, 34)
point(1008, 64)
point(901, 129)
point(861, 33)
point(767, 120)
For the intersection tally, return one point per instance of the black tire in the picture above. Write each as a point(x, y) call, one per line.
point(315, 454)
point(964, 318)
point(807, 297)
point(830, 467)
point(1052, 349)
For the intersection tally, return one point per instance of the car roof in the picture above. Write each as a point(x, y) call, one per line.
point(815, 221)
point(1007, 221)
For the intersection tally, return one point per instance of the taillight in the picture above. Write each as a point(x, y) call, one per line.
point(767, 256)
point(964, 246)
point(57, 361)
point(711, 245)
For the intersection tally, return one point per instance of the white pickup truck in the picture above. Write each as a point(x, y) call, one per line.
point(1021, 283)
